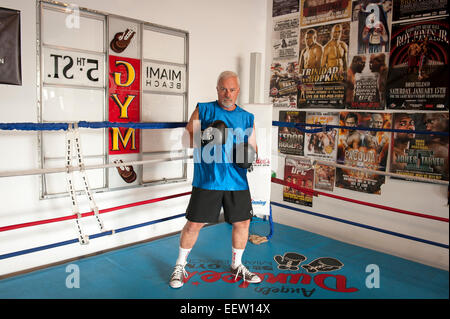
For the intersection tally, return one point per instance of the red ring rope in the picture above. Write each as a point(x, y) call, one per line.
point(316, 193)
point(101, 211)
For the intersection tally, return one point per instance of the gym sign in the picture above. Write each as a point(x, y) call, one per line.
point(124, 95)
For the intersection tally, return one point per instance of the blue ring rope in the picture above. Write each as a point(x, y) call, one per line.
point(74, 241)
point(28, 126)
point(362, 225)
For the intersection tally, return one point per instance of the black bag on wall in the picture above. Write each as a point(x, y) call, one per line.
point(10, 55)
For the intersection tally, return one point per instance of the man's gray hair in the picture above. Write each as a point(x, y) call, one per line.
point(227, 74)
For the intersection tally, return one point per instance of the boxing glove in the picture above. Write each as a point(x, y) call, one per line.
point(244, 155)
point(215, 133)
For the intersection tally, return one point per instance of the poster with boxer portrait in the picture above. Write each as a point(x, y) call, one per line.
point(291, 139)
point(370, 26)
point(365, 84)
point(323, 11)
point(421, 155)
point(363, 149)
point(324, 177)
point(283, 84)
point(321, 145)
point(418, 76)
point(323, 65)
point(298, 171)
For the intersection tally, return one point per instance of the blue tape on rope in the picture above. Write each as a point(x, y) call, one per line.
point(98, 235)
point(327, 127)
point(362, 225)
point(85, 124)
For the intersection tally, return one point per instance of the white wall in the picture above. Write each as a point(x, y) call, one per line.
point(222, 34)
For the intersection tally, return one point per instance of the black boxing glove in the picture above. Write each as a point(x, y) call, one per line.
point(244, 155)
point(215, 133)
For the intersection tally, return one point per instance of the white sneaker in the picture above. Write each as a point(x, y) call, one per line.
point(242, 272)
point(178, 276)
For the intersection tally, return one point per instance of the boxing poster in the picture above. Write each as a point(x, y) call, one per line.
point(291, 139)
point(421, 155)
point(283, 84)
point(10, 49)
point(370, 26)
point(284, 68)
point(324, 177)
point(365, 84)
point(322, 11)
point(322, 145)
point(409, 9)
point(363, 149)
point(418, 76)
point(282, 7)
point(323, 65)
point(285, 38)
point(298, 171)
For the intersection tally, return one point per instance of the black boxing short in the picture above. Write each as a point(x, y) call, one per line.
point(205, 205)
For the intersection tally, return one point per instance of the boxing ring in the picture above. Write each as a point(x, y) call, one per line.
point(294, 264)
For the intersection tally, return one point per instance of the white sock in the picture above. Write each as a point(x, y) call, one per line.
point(236, 257)
point(182, 256)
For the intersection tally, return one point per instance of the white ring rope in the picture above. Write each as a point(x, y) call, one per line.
point(88, 167)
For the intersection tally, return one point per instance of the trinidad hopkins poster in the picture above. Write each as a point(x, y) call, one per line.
point(363, 149)
point(418, 66)
point(323, 65)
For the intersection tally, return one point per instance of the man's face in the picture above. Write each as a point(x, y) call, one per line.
point(350, 121)
point(376, 121)
point(405, 123)
point(360, 64)
point(337, 32)
point(434, 123)
point(227, 92)
point(374, 64)
point(310, 39)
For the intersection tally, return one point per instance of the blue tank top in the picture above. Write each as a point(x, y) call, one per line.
point(213, 164)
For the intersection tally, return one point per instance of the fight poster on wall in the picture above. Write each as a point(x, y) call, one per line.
point(322, 11)
point(363, 149)
point(409, 9)
point(291, 139)
point(323, 65)
point(365, 84)
point(298, 171)
point(418, 66)
point(322, 145)
point(282, 7)
point(285, 38)
point(370, 31)
point(283, 84)
point(421, 155)
point(284, 68)
point(324, 177)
